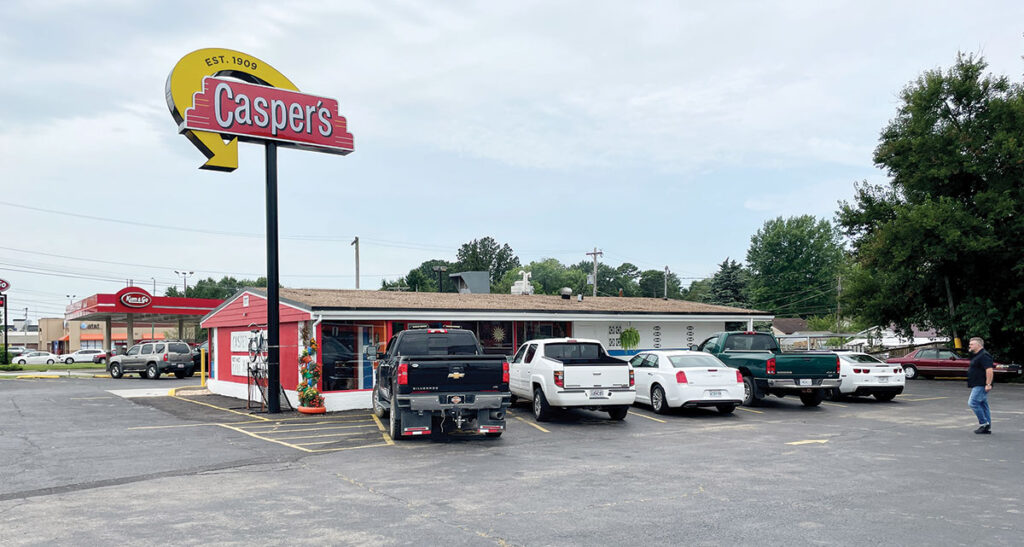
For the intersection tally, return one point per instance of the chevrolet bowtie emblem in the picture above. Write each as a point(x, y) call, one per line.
point(457, 375)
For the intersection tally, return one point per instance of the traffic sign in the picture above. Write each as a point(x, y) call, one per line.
point(4, 285)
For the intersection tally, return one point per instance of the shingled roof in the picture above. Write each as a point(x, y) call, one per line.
point(324, 299)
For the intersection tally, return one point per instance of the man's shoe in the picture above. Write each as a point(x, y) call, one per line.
point(984, 429)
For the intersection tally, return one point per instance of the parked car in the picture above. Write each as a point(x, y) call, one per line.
point(101, 357)
point(932, 362)
point(37, 358)
point(768, 371)
point(16, 350)
point(863, 375)
point(571, 373)
point(686, 379)
point(151, 359)
point(197, 355)
point(440, 380)
point(81, 356)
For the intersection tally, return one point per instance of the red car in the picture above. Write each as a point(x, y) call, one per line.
point(932, 362)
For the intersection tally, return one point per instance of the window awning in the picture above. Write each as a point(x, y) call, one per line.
point(118, 336)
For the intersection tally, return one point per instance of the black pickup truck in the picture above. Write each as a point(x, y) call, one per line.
point(439, 381)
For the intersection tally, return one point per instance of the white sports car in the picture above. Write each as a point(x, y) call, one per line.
point(862, 374)
point(37, 358)
point(666, 379)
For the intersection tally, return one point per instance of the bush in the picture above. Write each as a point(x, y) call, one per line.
point(11, 368)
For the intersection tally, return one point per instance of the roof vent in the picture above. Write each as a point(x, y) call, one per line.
point(566, 292)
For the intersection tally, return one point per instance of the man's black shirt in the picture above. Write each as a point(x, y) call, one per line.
point(976, 372)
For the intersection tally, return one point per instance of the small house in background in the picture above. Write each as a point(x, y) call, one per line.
point(788, 325)
point(472, 282)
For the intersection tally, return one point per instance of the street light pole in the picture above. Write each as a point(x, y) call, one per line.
point(71, 300)
point(152, 327)
point(440, 282)
point(184, 277)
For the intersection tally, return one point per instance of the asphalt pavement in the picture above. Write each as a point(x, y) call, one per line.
point(98, 461)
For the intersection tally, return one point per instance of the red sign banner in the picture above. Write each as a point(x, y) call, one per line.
point(256, 113)
point(4, 285)
point(134, 297)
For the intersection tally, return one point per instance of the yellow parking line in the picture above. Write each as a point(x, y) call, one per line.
point(532, 424)
point(346, 447)
point(277, 424)
point(809, 441)
point(320, 436)
point(749, 410)
point(833, 404)
point(247, 415)
point(271, 431)
point(925, 399)
point(262, 438)
point(168, 426)
point(383, 432)
point(648, 417)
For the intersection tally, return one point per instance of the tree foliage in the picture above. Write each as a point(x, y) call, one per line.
point(485, 254)
point(729, 285)
point(210, 288)
point(953, 211)
point(794, 266)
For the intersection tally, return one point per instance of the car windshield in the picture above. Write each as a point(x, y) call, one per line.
point(452, 343)
point(565, 351)
point(695, 359)
point(858, 358)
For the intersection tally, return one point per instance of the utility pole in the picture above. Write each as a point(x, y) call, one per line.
point(665, 293)
point(595, 254)
point(356, 243)
point(949, 295)
point(839, 304)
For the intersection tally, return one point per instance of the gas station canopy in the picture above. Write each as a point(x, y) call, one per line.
point(135, 305)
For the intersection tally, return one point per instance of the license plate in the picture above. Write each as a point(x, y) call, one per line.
point(597, 394)
point(806, 382)
point(716, 393)
point(181, 365)
point(456, 399)
point(883, 379)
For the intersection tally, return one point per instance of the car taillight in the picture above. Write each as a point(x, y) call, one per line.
point(403, 374)
point(165, 357)
point(559, 378)
point(632, 380)
point(504, 373)
point(680, 377)
point(896, 371)
point(739, 377)
point(837, 364)
point(771, 365)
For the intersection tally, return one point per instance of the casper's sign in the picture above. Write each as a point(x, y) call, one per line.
point(256, 112)
point(220, 96)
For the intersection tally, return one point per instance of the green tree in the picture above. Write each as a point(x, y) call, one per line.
point(652, 284)
point(729, 285)
point(609, 279)
point(794, 266)
point(951, 215)
point(210, 288)
point(485, 254)
point(698, 291)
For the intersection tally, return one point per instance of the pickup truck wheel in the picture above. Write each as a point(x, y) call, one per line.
point(618, 413)
point(910, 371)
point(885, 397)
point(115, 371)
point(658, 403)
point(179, 375)
point(541, 409)
point(190, 373)
point(378, 409)
point(749, 392)
point(726, 409)
point(835, 394)
point(394, 422)
point(152, 372)
point(811, 399)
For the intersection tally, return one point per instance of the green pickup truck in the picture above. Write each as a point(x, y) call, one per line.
point(768, 371)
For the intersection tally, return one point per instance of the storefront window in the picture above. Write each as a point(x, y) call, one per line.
point(495, 337)
point(347, 352)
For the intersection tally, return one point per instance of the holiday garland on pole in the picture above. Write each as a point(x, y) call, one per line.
point(309, 377)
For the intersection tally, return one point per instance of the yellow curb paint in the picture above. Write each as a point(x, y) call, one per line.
point(100, 376)
point(749, 410)
point(37, 377)
point(833, 404)
point(173, 392)
point(261, 418)
point(648, 417)
point(809, 441)
point(532, 424)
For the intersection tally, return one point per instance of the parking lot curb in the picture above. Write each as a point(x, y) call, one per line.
point(196, 390)
point(37, 376)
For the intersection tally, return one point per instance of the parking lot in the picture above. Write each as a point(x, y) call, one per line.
point(89, 462)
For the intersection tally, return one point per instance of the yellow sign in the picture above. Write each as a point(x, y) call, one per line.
point(186, 80)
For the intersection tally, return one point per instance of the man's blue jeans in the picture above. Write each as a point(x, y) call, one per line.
point(979, 404)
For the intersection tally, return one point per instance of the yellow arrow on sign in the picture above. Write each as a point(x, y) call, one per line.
point(186, 79)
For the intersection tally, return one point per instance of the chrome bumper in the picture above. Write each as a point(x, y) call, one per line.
point(821, 383)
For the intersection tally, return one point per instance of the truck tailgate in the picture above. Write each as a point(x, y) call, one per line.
point(605, 376)
point(804, 366)
point(455, 374)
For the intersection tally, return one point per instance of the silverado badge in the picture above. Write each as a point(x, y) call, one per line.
point(457, 375)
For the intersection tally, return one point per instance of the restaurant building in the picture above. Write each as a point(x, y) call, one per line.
point(352, 326)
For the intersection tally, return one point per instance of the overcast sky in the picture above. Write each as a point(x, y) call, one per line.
point(664, 133)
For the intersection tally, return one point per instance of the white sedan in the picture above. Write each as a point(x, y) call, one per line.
point(80, 356)
point(862, 374)
point(666, 379)
point(37, 358)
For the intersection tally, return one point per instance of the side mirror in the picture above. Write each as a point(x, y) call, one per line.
point(693, 347)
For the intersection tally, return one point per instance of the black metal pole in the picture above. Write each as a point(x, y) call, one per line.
point(273, 296)
point(6, 342)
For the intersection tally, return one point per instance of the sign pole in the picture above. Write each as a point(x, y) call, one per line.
point(273, 296)
point(6, 334)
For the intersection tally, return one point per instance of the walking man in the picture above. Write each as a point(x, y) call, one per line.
point(979, 379)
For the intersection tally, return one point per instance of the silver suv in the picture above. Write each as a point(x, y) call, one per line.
point(151, 359)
